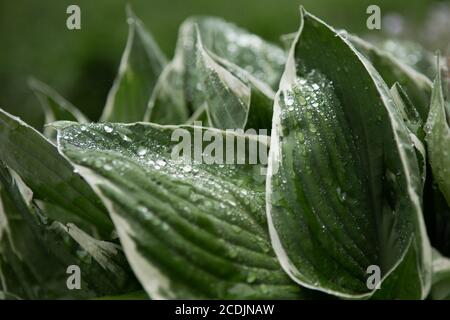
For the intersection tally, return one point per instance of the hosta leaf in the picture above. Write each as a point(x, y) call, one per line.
point(189, 229)
point(408, 111)
point(263, 60)
point(344, 185)
point(142, 63)
point(398, 284)
point(199, 118)
point(231, 97)
point(35, 253)
point(441, 277)
point(287, 40)
point(50, 175)
point(226, 98)
point(437, 216)
point(395, 69)
point(167, 104)
point(234, 99)
point(436, 198)
point(438, 139)
point(411, 118)
point(411, 54)
point(55, 107)
point(416, 85)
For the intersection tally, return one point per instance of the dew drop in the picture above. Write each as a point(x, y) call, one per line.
point(108, 128)
point(251, 278)
point(301, 137)
point(161, 163)
point(142, 151)
point(302, 100)
point(342, 195)
point(233, 253)
point(289, 100)
point(142, 209)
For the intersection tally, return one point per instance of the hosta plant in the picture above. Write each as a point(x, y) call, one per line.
point(352, 202)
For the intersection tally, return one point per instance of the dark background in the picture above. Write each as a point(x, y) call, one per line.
point(82, 64)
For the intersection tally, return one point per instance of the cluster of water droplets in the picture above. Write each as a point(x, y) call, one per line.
point(263, 60)
point(308, 96)
point(311, 116)
point(306, 108)
point(226, 197)
point(227, 193)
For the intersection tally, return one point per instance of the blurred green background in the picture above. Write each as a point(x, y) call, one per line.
point(82, 64)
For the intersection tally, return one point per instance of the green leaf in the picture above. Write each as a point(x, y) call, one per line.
point(230, 96)
point(438, 139)
point(344, 186)
point(35, 252)
point(234, 99)
point(437, 216)
point(287, 40)
point(167, 104)
point(227, 98)
point(408, 111)
point(413, 122)
point(409, 53)
point(263, 60)
point(55, 107)
point(189, 229)
point(441, 277)
point(396, 70)
point(49, 175)
point(199, 118)
point(416, 85)
point(142, 63)
point(398, 284)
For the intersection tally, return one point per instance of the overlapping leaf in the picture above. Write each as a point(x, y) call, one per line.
point(391, 68)
point(189, 229)
point(55, 107)
point(141, 65)
point(441, 277)
point(35, 252)
point(416, 85)
point(438, 139)
point(50, 176)
point(410, 53)
point(344, 185)
point(263, 60)
point(232, 97)
point(347, 170)
point(167, 104)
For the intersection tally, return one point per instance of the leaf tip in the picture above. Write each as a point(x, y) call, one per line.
point(131, 17)
point(60, 125)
